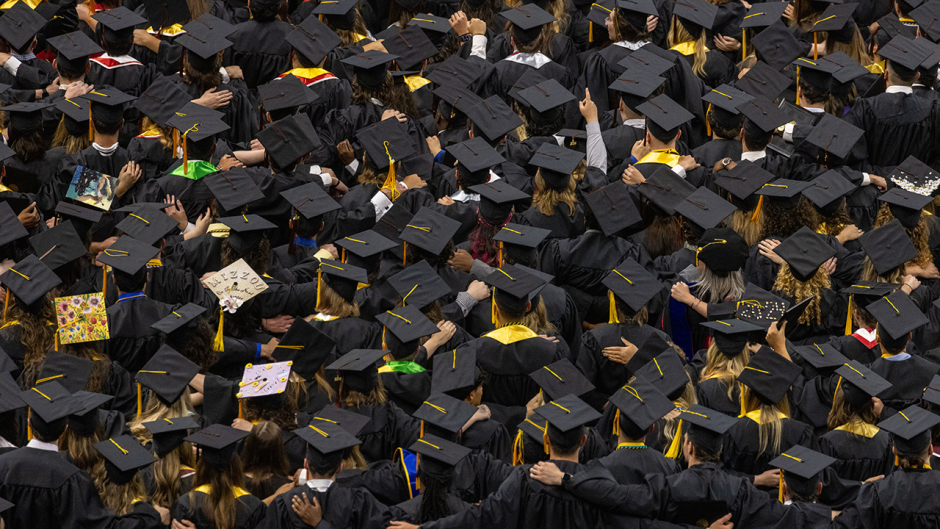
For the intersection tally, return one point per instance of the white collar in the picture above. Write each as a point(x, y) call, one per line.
point(637, 123)
point(105, 151)
point(535, 60)
point(815, 110)
point(753, 156)
point(42, 445)
point(869, 335)
point(6, 444)
point(896, 89)
point(319, 485)
point(631, 45)
point(324, 317)
point(898, 357)
point(463, 196)
point(918, 85)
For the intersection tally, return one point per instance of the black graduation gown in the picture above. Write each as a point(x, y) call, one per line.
point(508, 364)
point(48, 491)
point(900, 500)
point(488, 436)
point(509, 72)
point(561, 222)
point(249, 511)
point(896, 126)
point(832, 309)
point(562, 51)
point(124, 73)
point(350, 333)
point(858, 457)
point(260, 49)
point(741, 450)
point(389, 429)
point(631, 464)
point(150, 154)
point(718, 67)
point(342, 508)
point(713, 393)
point(855, 349)
point(240, 114)
point(908, 378)
point(716, 150)
point(599, 71)
point(132, 341)
point(410, 511)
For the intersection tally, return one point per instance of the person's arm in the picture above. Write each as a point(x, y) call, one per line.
point(596, 485)
point(596, 151)
point(776, 339)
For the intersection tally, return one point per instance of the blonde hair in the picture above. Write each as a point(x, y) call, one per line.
point(770, 428)
point(800, 290)
point(156, 410)
point(166, 133)
point(71, 144)
point(720, 366)
point(918, 235)
point(354, 399)
point(546, 198)
point(678, 34)
point(537, 319)
point(332, 304)
point(871, 275)
point(749, 230)
point(121, 498)
point(855, 49)
point(168, 486)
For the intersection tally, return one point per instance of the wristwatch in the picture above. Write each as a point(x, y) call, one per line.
point(726, 162)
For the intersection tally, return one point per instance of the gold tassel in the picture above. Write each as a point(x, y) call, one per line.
point(743, 44)
point(56, 345)
point(617, 422)
point(500, 254)
point(218, 343)
point(417, 477)
point(384, 346)
point(319, 282)
point(815, 48)
point(104, 281)
point(848, 318)
point(390, 183)
point(493, 308)
point(590, 32)
point(517, 450)
point(91, 126)
point(241, 408)
point(612, 310)
point(675, 448)
point(6, 304)
point(404, 253)
point(741, 400)
point(29, 428)
point(422, 430)
point(176, 143)
point(760, 202)
point(545, 442)
point(836, 392)
point(140, 400)
point(797, 87)
point(708, 126)
point(780, 489)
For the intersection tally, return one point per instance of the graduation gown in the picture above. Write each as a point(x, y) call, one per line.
point(410, 511)
point(861, 450)
point(389, 429)
point(249, 511)
point(561, 222)
point(708, 154)
point(48, 491)
point(342, 508)
point(908, 377)
point(153, 158)
point(741, 450)
point(631, 462)
point(132, 341)
point(896, 126)
point(713, 393)
point(350, 333)
point(508, 355)
point(260, 49)
point(899, 500)
point(857, 347)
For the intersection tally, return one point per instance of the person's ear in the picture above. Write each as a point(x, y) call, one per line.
point(583, 440)
point(88, 67)
point(528, 306)
point(55, 64)
point(679, 135)
point(818, 488)
point(470, 133)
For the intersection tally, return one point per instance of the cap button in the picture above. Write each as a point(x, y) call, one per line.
point(805, 250)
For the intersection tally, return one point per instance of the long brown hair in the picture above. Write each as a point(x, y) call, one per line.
point(264, 455)
point(546, 198)
point(82, 452)
point(168, 486)
point(784, 222)
point(354, 399)
point(332, 304)
point(918, 235)
point(799, 290)
point(843, 412)
point(720, 366)
point(121, 498)
point(678, 34)
point(205, 80)
point(71, 144)
point(349, 37)
point(220, 505)
point(36, 336)
point(87, 351)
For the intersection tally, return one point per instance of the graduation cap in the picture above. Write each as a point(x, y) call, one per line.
point(915, 176)
point(364, 248)
point(760, 307)
point(233, 189)
point(11, 229)
point(77, 112)
point(522, 237)
point(776, 46)
point(574, 139)
point(310, 200)
point(769, 375)
point(407, 324)
point(26, 117)
point(705, 208)
point(440, 455)
point(371, 67)
point(904, 52)
point(696, 15)
point(285, 93)
point(665, 189)
point(455, 71)
point(567, 413)
point(343, 278)
point(613, 209)
point(475, 158)
point(326, 438)
point(455, 98)
point(910, 429)
point(246, 231)
point(123, 457)
point(148, 226)
point(926, 16)
point(314, 39)
point(30, 279)
point(161, 100)
point(289, 139)
point(545, 96)
point(527, 22)
point(497, 199)
point(731, 336)
point(763, 114)
point(429, 22)
point(556, 164)
point(535, 427)
point(931, 392)
point(905, 206)
point(827, 190)
point(560, 379)
point(493, 118)
point(412, 46)
point(867, 292)
point(350, 421)
point(9, 393)
point(784, 193)
point(455, 373)
point(860, 383)
point(357, 369)
point(119, 18)
point(802, 469)
point(339, 7)
point(211, 23)
point(197, 124)
point(888, 247)
point(817, 73)
point(218, 443)
point(665, 113)
point(71, 372)
point(744, 180)
point(83, 217)
point(178, 318)
point(648, 62)
point(632, 284)
point(763, 80)
point(805, 251)
point(849, 70)
point(641, 403)
point(430, 230)
point(265, 381)
point(666, 373)
point(385, 140)
point(764, 14)
point(128, 255)
point(445, 412)
point(726, 98)
point(165, 13)
point(821, 356)
point(169, 433)
point(599, 13)
point(74, 46)
point(51, 402)
point(167, 374)
point(514, 288)
point(305, 346)
point(834, 18)
point(56, 247)
point(20, 24)
point(207, 45)
point(84, 419)
point(897, 314)
point(636, 85)
point(419, 285)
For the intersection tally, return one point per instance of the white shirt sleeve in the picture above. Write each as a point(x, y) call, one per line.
point(225, 77)
point(12, 65)
point(353, 167)
point(679, 171)
point(189, 227)
point(478, 46)
point(596, 150)
point(788, 133)
point(327, 179)
point(866, 179)
point(382, 204)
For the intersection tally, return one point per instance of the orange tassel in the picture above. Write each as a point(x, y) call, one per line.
point(797, 86)
point(140, 404)
point(500, 254)
point(517, 450)
point(617, 422)
point(760, 202)
point(104, 281)
point(815, 47)
point(6, 304)
point(422, 429)
point(29, 428)
point(91, 126)
point(176, 143)
point(708, 126)
point(417, 478)
point(590, 32)
point(780, 490)
point(545, 442)
point(404, 253)
point(743, 44)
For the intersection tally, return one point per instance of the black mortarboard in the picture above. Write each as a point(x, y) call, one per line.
point(573, 139)
point(285, 93)
point(357, 369)
point(726, 98)
point(430, 22)
point(84, 419)
point(206, 45)
point(233, 189)
point(197, 123)
point(897, 314)
point(763, 113)
point(763, 80)
point(148, 226)
point(514, 287)
point(821, 356)
point(763, 14)
point(915, 176)
point(107, 104)
point(178, 318)
point(568, 413)
point(892, 26)
point(313, 39)
point(493, 118)
point(71, 372)
point(336, 7)
point(30, 279)
point(528, 79)
point(304, 345)
point(522, 236)
point(769, 375)
point(817, 73)
point(167, 374)
point(534, 425)
point(419, 285)
point(560, 379)
point(386, 139)
point(218, 443)
point(123, 457)
point(406, 324)
point(711, 420)
point(556, 164)
point(455, 71)
point(208, 22)
point(545, 96)
point(161, 100)
point(926, 16)
point(350, 421)
point(665, 189)
point(164, 13)
point(326, 438)
point(646, 63)
point(805, 251)
point(802, 469)
point(50, 402)
point(705, 208)
point(364, 248)
point(612, 207)
point(827, 190)
point(83, 217)
point(20, 24)
point(56, 247)
point(641, 402)
point(497, 199)
point(411, 46)
point(760, 307)
point(834, 18)
point(119, 18)
point(440, 455)
point(722, 249)
point(168, 434)
point(26, 117)
point(128, 255)
point(455, 373)
point(474, 157)
point(731, 335)
point(430, 230)
point(343, 278)
point(246, 231)
point(289, 139)
point(867, 292)
point(527, 21)
point(745, 179)
point(600, 11)
point(455, 97)
point(632, 284)
point(74, 46)
point(666, 373)
point(784, 193)
point(849, 70)
point(910, 429)
point(310, 200)
point(665, 113)
point(445, 412)
point(931, 392)
point(9, 393)
point(904, 52)
point(859, 383)
point(11, 229)
point(776, 46)
point(371, 67)
point(76, 110)
point(700, 13)
point(905, 205)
